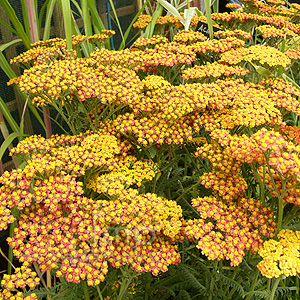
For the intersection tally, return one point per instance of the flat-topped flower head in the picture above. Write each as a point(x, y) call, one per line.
point(281, 257)
point(188, 37)
point(214, 70)
point(142, 21)
point(238, 33)
point(227, 229)
point(269, 31)
point(144, 43)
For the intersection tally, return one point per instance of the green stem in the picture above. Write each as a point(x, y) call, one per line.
point(233, 276)
point(261, 184)
point(253, 284)
point(85, 291)
point(126, 280)
point(234, 289)
point(99, 292)
point(148, 285)
point(213, 279)
point(274, 288)
point(10, 251)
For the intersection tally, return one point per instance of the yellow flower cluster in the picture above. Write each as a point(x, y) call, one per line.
point(142, 21)
point(78, 237)
point(281, 257)
point(128, 172)
point(168, 20)
point(233, 6)
point(264, 55)
point(214, 70)
point(153, 129)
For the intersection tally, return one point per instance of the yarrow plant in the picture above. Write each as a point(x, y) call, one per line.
point(179, 164)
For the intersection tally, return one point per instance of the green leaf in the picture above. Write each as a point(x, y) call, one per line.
point(67, 16)
point(8, 141)
point(4, 65)
point(97, 22)
point(87, 23)
point(209, 20)
point(188, 15)
point(170, 8)
point(8, 117)
point(6, 45)
point(262, 71)
point(122, 46)
point(16, 23)
point(9, 27)
point(117, 19)
point(150, 28)
point(50, 8)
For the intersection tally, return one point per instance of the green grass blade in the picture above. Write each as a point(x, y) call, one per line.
point(67, 16)
point(181, 5)
point(8, 117)
point(117, 20)
point(11, 74)
point(4, 65)
point(216, 6)
point(25, 17)
point(122, 46)
point(97, 22)
point(41, 15)
point(16, 23)
point(8, 141)
point(151, 26)
point(209, 20)
point(6, 45)
point(49, 13)
point(87, 23)
point(170, 8)
point(8, 27)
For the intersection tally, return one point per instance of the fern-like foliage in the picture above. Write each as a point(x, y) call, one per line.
point(259, 294)
point(232, 283)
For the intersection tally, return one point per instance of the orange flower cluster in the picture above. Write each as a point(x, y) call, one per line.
point(80, 78)
point(238, 33)
point(213, 70)
point(269, 31)
point(292, 133)
point(293, 54)
point(142, 21)
point(188, 37)
point(217, 46)
point(226, 229)
point(80, 237)
point(147, 43)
